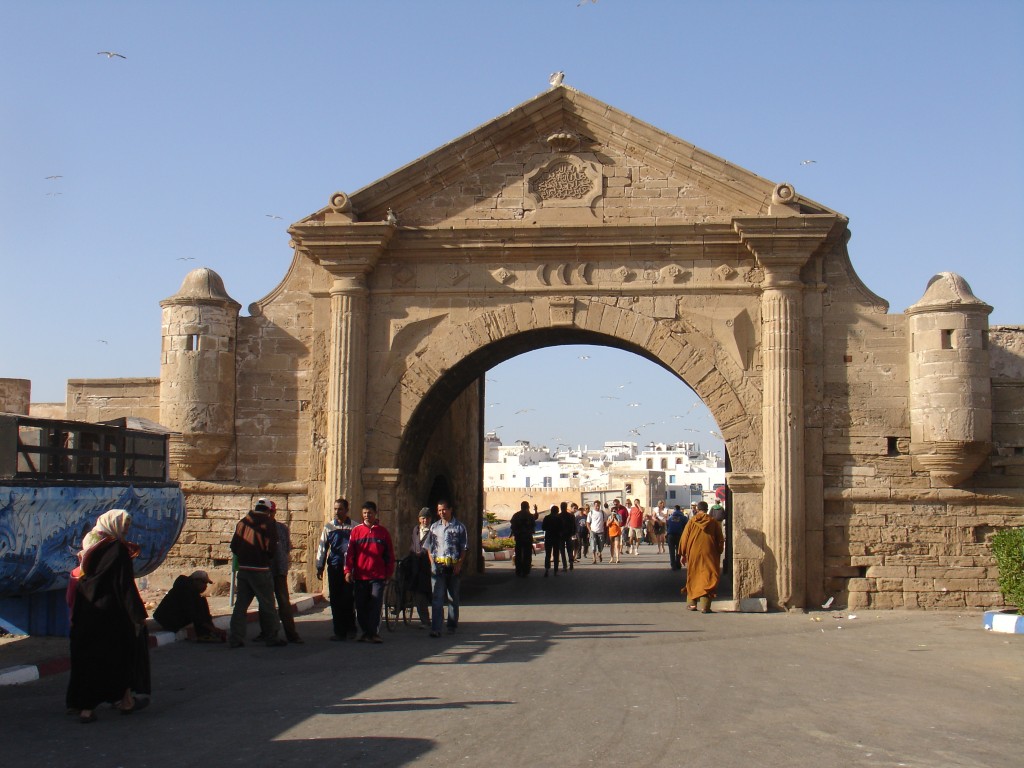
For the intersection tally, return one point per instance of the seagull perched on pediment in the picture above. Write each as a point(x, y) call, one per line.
point(556, 78)
point(111, 54)
point(391, 218)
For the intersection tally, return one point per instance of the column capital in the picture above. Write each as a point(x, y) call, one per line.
point(782, 246)
point(343, 249)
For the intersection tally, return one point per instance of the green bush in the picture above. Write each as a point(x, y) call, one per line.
point(498, 544)
point(1008, 548)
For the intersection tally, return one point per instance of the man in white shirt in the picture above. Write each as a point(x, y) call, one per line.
point(595, 524)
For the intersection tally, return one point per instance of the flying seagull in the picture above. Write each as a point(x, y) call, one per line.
point(186, 258)
point(102, 341)
point(110, 54)
point(807, 162)
point(51, 178)
point(584, 357)
point(556, 78)
point(53, 194)
point(524, 410)
point(271, 216)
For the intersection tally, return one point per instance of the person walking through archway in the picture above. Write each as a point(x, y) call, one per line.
point(552, 526)
point(700, 551)
point(523, 524)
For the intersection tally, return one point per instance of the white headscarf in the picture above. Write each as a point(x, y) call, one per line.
point(112, 524)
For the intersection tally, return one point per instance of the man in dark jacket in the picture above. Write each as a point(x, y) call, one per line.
point(253, 546)
point(674, 526)
point(330, 554)
point(186, 606)
point(523, 524)
point(567, 546)
point(552, 526)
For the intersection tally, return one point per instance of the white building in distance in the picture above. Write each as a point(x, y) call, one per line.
point(689, 473)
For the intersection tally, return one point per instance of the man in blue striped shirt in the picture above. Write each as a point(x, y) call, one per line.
point(447, 546)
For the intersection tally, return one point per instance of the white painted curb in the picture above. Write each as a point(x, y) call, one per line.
point(998, 621)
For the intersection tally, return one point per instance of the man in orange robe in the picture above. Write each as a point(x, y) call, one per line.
point(700, 552)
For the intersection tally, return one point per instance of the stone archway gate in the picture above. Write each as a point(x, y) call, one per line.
point(864, 459)
point(566, 219)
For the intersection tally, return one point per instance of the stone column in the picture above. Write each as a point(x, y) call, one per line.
point(346, 389)
point(349, 251)
point(782, 246)
point(783, 425)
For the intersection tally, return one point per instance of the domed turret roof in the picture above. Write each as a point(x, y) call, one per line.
point(202, 286)
point(948, 291)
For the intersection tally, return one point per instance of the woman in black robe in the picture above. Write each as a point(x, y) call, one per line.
point(109, 641)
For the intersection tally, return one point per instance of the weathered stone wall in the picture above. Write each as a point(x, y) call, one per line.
point(212, 513)
point(48, 410)
point(504, 502)
point(106, 399)
point(892, 538)
point(15, 396)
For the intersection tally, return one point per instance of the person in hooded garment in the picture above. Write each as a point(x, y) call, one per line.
point(109, 641)
point(700, 551)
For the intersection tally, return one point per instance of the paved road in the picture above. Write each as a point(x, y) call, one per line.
point(598, 667)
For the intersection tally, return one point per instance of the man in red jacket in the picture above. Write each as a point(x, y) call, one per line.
point(368, 565)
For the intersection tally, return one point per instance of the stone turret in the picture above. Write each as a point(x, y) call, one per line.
point(197, 372)
point(950, 380)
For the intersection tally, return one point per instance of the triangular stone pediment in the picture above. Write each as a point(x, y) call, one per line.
point(565, 158)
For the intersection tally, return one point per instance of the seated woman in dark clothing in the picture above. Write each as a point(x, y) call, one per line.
point(185, 605)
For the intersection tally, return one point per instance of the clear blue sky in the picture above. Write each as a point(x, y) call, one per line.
point(225, 112)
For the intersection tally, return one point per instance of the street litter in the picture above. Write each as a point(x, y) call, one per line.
point(828, 603)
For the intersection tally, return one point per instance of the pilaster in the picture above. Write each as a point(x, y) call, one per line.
point(349, 251)
point(782, 246)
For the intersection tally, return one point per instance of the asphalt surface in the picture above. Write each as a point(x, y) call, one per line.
point(601, 666)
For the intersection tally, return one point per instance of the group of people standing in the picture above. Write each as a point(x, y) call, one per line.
point(109, 641)
point(695, 541)
point(359, 559)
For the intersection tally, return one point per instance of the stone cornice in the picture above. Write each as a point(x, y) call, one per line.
point(343, 249)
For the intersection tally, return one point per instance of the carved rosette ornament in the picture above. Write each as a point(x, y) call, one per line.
point(456, 274)
point(725, 272)
point(754, 275)
point(403, 275)
point(673, 273)
point(503, 275)
point(624, 274)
